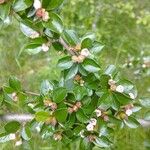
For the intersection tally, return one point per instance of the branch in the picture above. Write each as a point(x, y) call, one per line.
point(29, 117)
point(16, 117)
point(65, 45)
point(32, 93)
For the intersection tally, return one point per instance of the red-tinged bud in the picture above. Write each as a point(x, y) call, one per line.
point(78, 104)
point(81, 58)
point(91, 138)
point(2, 1)
point(77, 78)
point(70, 110)
point(40, 12)
point(106, 118)
point(57, 136)
point(75, 108)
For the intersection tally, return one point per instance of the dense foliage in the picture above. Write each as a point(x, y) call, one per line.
point(88, 102)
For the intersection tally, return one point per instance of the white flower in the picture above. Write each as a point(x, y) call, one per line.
point(37, 4)
point(14, 96)
point(143, 66)
point(45, 17)
point(34, 35)
point(12, 136)
point(98, 112)
point(85, 52)
point(90, 127)
point(93, 121)
point(45, 48)
point(128, 112)
point(18, 143)
point(132, 96)
point(38, 129)
point(82, 133)
point(120, 88)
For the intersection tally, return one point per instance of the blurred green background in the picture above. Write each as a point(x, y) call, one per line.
point(123, 26)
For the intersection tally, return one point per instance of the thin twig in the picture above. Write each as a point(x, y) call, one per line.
point(65, 45)
point(32, 93)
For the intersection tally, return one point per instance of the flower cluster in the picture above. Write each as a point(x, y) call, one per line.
point(82, 55)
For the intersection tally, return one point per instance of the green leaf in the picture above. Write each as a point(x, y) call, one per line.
point(46, 86)
point(97, 47)
point(12, 127)
point(86, 43)
point(4, 10)
point(145, 101)
point(123, 99)
point(147, 116)
point(26, 133)
point(4, 137)
point(41, 116)
point(20, 5)
point(81, 116)
point(129, 87)
point(105, 101)
point(132, 122)
point(61, 113)
point(55, 23)
point(111, 71)
point(65, 63)
point(51, 4)
point(14, 83)
point(79, 92)
point(70, 73)
point(102, 142)
point(57, 46)
point(85, 144)
point(71, 37)
point(89, 35)
point(59, 94)
point(33, 49)
point(90, 65)
point(27, 31)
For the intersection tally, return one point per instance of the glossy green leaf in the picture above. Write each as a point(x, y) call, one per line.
point(26, 133)
point(46, 86)
point(70, 73)
point(132, 122)
point(12, 127)
point(111, 71)
point(33, 49)
point(20, 5)
point(51, 4)
point(41, 116)
point(97, 47)
point(27, 31)
point(61, 114)
point(59, 94)
point(90, 65)
point(102, 142)
point(54, 24)
point(71, 37)
point(81, 116)
point(65, 63)
point(4, 137)
point(79, 92)
point(86, 43)
point(123, 99)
